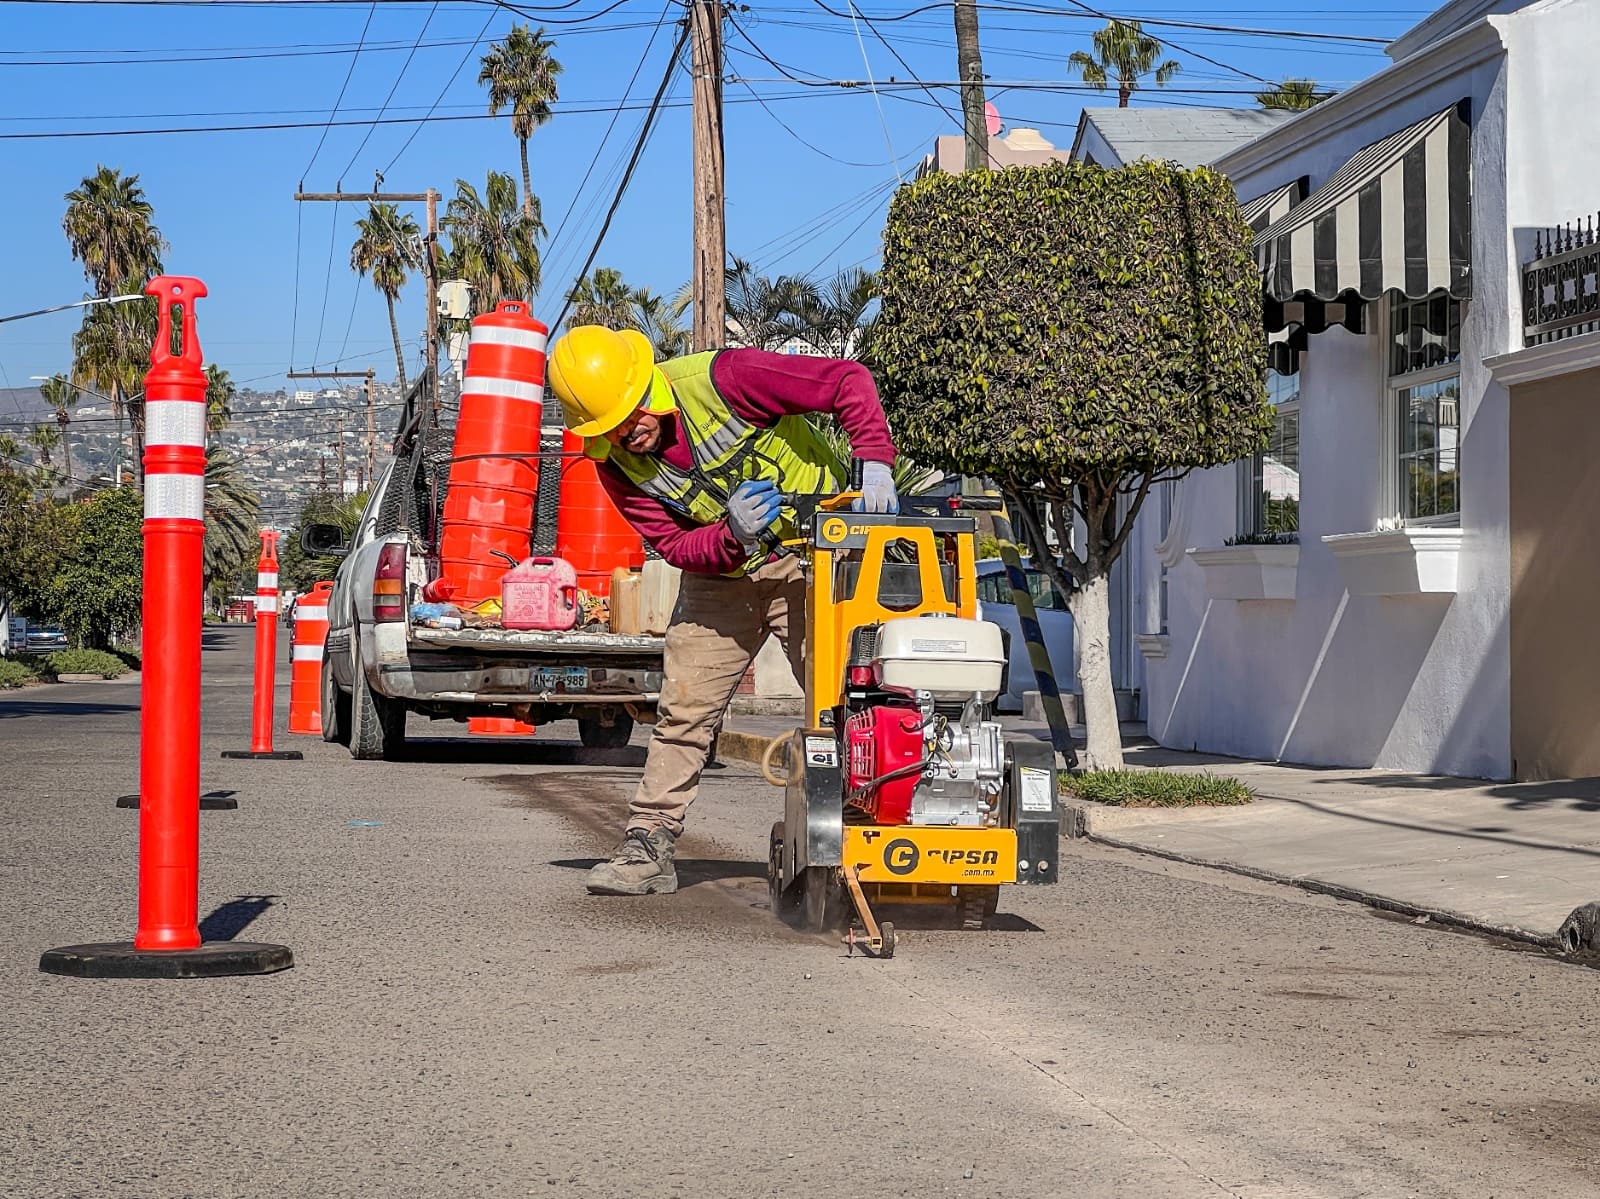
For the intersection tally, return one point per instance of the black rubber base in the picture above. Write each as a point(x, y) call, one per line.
point(211, 801)
point(275, 755)
point(119, 959)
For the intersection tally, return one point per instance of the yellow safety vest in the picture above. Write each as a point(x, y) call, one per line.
point(727, 450)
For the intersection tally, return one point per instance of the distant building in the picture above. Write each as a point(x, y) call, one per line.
point(1191, 137)
point(1018, 148)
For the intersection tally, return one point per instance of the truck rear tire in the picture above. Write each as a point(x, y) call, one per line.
point(335, 707)
point(595, 735)
point(377, 724)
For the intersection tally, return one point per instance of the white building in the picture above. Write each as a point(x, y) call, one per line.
point(1392, 222)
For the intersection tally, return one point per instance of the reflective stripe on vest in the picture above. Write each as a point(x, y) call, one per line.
point(727, 450)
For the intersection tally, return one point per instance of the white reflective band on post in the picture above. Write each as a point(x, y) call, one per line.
point(266, 578)
point(499, 335)
point(515, 389)
point(266, 603)
point(169, 497)
point(307, 653)
point(175, 422)
point(305, 612)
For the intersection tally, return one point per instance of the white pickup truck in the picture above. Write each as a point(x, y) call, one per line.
point(378, 666)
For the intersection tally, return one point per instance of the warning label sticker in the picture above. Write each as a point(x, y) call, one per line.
point(1036, 790)
point(821, 751)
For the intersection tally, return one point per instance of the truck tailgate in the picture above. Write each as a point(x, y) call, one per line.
point(532, 641)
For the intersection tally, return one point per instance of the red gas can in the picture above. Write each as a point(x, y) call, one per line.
point(540, 593)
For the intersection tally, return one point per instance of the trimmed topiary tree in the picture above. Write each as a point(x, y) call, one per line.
point(1078, 335)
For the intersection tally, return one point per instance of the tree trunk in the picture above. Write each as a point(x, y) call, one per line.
point(969, 65)
point(399, 356)
point(527, 181)
point(1124, 94)
point(66, 453)
point(1091, 623)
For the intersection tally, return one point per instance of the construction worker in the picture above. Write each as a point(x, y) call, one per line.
point(695, 453)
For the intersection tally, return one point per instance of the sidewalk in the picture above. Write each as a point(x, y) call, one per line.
point(1509, 858)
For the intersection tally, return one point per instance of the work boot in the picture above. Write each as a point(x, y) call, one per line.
point(641, 865)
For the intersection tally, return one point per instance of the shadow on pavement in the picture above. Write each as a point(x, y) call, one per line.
point(233, 917)
point(16, 709)
point(523, 752)
point(691, 871)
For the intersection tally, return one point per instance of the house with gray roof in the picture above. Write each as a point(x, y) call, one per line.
point(1114, 137)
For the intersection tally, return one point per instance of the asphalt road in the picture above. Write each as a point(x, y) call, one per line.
point(463, 1020)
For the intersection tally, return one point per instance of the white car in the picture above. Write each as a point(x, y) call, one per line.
point(1055, 622)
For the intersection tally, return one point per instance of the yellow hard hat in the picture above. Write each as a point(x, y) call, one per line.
point(600, 375)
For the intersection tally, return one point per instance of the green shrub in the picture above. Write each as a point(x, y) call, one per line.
point(85, 661)
point(15, 673)
point(989, 546)
point(1155, 789)
point(131, 655)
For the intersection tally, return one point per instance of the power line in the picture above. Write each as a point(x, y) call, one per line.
point(334, 112)
point(472, 47)
point(404, 67)
point(633, 161)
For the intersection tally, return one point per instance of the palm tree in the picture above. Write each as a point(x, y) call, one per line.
point(603, 299)
point(834, 324)
point(220, 393)
point(766, 313)
point(521, 76)
point(232, 510)
point(110, 227)
point(388, 247)
point(653, 316)
point(1295, 95)
point(10, 454)
point(61, 395)
point(110, 354)
point(45, 439)
point(493, 242)
point(1125, 52)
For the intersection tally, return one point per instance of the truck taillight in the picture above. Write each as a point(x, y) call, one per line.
point(389, 583)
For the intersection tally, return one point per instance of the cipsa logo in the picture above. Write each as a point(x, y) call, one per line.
point(901, 856)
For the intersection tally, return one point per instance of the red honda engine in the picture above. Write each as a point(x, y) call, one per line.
point(880, 741)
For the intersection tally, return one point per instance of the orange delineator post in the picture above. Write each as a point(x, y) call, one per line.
point(266, 658)
point(166, 943)
point(590, 532)
point(305, 681)
point(494, 471)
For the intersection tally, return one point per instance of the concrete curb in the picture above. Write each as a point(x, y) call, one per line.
point(1371, 899)
point(742, 747)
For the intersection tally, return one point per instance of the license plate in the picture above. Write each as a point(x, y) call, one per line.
point(561, 678)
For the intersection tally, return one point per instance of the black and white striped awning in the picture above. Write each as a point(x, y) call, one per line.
point(1394, 217)
point(1275, 205)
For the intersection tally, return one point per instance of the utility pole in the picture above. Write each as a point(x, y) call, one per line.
point(322, 474)
point(372, 431)
point(339, 449)
point(430, 239)
point(969, 67)
point(710, 232)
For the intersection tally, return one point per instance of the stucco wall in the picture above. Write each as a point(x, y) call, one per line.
point(1555, 573)
point(1415, 683)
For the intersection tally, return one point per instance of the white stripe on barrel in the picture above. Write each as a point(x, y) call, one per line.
point(307, 613)
point(175, 422)
point(266, 603)
point(266, 578)
point(502, 335)
point(307, 653)
point(516, 389)
point(174, 497)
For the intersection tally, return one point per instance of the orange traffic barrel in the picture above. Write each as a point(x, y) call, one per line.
point(499, 726)
point(305, 680)
point(494, 472)
point(590, 533)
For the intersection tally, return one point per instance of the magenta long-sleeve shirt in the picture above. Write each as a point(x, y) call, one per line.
point(762, 387)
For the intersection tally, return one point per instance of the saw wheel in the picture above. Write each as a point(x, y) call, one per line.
point(825, 904)
point(975, 905)
point(785, 904)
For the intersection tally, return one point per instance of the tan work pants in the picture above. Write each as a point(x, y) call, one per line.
point(717, 628)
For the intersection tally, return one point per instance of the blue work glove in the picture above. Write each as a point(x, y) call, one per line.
point(877, 490)
point(752, 509)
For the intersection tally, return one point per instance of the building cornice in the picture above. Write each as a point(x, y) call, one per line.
point(1471, 46)
point(1532, 363)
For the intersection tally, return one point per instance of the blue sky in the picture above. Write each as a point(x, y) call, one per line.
point(224, 200)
